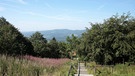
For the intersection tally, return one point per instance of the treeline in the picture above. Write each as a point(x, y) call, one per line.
point(49, 49)
point(110, 42)
point(13, 43)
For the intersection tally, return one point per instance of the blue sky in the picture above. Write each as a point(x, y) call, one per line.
point(36, 15)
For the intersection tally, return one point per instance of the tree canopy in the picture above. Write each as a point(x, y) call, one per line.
point(110, 42)
point(12, 42)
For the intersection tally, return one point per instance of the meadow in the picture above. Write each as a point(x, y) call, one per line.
point(111, 70)
point(33, 66)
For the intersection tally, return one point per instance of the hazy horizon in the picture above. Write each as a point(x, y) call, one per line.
point(52, 29)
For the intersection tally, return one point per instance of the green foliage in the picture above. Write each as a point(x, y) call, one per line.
point(117, 70)
point(63, 49)
point(42, 48)
point(12, 42)
point(111, 41)
point(54, 49)
point(73, 44)
point(39, 43)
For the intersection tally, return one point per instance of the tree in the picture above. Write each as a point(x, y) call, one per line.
point(110, 42)
point(63, 50)
point(39, 43)
point(73, 43)
point(53, 49)
point(12, 42)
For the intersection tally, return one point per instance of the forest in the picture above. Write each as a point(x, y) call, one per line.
point(108, 43)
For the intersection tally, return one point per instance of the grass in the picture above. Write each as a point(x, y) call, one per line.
point(11, 66)
point(33, 66)
point(117, 70)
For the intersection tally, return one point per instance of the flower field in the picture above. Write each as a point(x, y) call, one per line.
point(33, 66)
point(48, 62)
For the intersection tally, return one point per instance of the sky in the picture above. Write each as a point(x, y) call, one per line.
point(39, 15)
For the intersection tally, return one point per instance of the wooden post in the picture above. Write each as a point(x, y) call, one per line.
point(69, 70)
point(85, 64)
point(94, 69)
point(79, 68)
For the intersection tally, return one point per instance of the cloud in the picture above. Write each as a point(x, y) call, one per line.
point(56, 17)
point(33, 13)
point(64, 18)
point(30, 13)
point(9, 5)
point(100, 7)
point(18, 1)
point(2, 9)
point(22, 1)
point(48, 5)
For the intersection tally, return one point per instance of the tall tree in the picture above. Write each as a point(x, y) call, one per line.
point(12, 42)
point(53, 48)
point(64, 53)
point(73, 43)
point(39, 43)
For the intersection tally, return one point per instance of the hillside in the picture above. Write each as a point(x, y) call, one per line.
point(59, 34)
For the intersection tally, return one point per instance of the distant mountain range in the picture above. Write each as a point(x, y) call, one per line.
point(59, 34)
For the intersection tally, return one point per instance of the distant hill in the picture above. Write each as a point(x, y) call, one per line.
point(59, 34)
